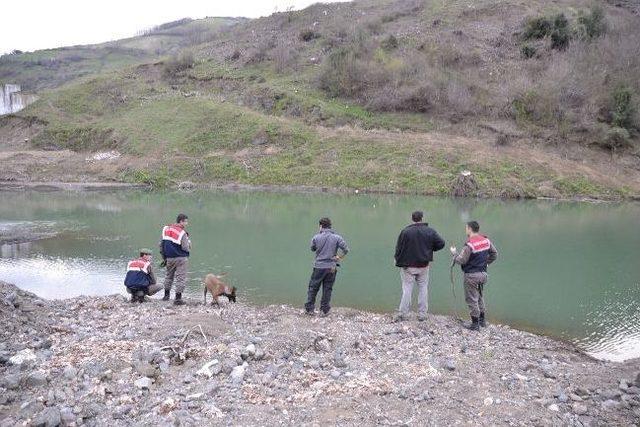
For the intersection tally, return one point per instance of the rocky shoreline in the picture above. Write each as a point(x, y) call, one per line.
point(101, 360)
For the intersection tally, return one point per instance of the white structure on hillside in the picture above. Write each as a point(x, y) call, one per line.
point(12, 100)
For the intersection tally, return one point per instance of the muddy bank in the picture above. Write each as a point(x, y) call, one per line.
point(97, 361)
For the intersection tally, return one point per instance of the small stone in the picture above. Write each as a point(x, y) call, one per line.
point(633, 390)
point(581, 391)
point(50, 417)
point(210, 369)
point(553, 407)
point(322, 345)
point(488, 401)
point(25, 356)
point(237, 374)
point(575, 397)
point(260, 354)
point(610, 404)
point(69, 372)
point(623, 385)
point(579, 408)
point(36, 379)
point(521, 377)
point(251, 350)
point(638, 380)
point(546, 371)
point(67, 416)
point(611, 394)
point(563, 398)
point(143, 383)
point(450, 365)
point(145, 369)
point(335, 374)
point(10, 381)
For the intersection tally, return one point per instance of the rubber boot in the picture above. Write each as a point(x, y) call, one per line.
point(166, 295)
point(482, 321)
point(474, 325)
point(140, 296)
point(134, 298)
point(178, 300)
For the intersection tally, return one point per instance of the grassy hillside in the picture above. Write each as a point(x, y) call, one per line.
point(45, 69)
point(535, 97)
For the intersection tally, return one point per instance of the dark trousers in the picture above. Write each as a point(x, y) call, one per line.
point(324, 277)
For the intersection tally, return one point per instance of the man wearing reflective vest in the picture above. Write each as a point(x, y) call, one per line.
point(477, 253)
point(140, 280)
point(174, 248)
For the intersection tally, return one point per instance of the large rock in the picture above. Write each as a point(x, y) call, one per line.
point(22, 357)
point(36, 379)
point(50, 417)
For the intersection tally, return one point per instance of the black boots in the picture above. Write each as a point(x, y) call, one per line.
point(137, 297)
point(166, 295)
point(178, 300)
point(481, 320)
point(474, 325)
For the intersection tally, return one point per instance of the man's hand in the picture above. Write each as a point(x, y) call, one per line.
point(337, 258)
point(453, 250)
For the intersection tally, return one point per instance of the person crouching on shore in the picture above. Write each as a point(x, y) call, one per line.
point(140, 279)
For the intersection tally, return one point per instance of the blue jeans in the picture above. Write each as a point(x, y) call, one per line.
point(325, 278)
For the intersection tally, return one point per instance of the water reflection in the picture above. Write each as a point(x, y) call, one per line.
point(15, 250)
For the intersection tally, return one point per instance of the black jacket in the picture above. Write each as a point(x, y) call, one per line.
point(416, 245)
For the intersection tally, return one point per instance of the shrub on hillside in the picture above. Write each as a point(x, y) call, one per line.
point(528, 51)
point(178, 63)
point(593, 24)
point(616, 138)
point(560, 35)
point(390, 42)
point(537, 28)
point(622, 111)
point(343, 74)
point(308, 35)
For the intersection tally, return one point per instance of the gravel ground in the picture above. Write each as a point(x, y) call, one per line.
point(102, 360)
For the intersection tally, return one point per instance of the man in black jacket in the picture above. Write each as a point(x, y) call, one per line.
point(414, 251)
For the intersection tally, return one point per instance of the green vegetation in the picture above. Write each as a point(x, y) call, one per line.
point(345, 95)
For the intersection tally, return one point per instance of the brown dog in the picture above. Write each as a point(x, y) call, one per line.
point(217, 287)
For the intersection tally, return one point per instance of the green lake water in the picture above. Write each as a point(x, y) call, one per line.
point(565, 269)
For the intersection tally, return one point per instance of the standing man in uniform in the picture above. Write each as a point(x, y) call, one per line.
point(477, 253)
point(414, 251)
point(140, 280)
point(325, 244)
point(174, 248)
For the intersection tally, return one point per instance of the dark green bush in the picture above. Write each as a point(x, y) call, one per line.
point(178, 63)
point(593, 24)
point(537, 28)
point(308, 35)
point(342, 73)
point(528, 51)
point(616, 138)
point(390, 42)
point(622, 108)
point(560, 35)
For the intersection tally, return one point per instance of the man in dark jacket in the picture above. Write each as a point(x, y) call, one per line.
point(477, 253)
point(414, 252)
point(140, 280)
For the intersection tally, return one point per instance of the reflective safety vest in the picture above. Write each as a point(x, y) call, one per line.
point(171, 241)
point(137, 274)
point(478, 260)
